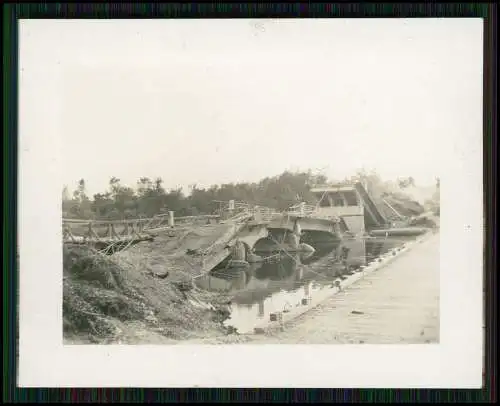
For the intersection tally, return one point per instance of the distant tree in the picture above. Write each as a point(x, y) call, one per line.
point(159, 186)
point(80, 193)
point(320, 179)
point(144, 186)
point(372, 181)
point(406, 182)
point(65, 194)
point(150, 197)
point(114, 186)
point(174, 200)
point(80, 205)
point(202, 201)
point(103, 205)
point(125, 202)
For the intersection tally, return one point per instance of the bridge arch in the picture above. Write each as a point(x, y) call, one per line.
point(241, 251)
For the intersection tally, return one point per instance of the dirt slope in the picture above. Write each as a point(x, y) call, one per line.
point(106, 300)
point(177, 255)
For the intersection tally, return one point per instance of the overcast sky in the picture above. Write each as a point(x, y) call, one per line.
point(214, 101)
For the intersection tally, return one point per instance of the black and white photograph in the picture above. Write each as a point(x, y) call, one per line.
point(251, 183)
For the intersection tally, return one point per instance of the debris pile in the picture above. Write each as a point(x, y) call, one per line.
point(106, 300)
point(404, 205)
point(176, 257)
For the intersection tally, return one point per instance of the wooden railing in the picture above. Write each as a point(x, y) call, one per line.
point(265, 214)
point(242, 211)
point(84, 230)
point(232, 212)
point(302, 209)
point(129, 229)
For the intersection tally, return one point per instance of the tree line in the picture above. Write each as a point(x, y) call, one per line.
point(150, 197)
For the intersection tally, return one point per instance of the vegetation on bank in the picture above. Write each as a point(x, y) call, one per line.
point(106, 300)
point(150, 197)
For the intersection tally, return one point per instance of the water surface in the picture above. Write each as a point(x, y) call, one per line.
point(291, 281)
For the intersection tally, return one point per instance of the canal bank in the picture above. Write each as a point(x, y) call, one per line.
point(397, 301)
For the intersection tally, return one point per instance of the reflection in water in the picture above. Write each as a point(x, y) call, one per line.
point(283, 269)
point(374, 249)
point(262, 289)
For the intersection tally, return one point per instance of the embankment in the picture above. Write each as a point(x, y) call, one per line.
point(180, 254)
point(142, 295)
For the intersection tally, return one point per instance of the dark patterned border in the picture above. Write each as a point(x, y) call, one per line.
point(13, 12)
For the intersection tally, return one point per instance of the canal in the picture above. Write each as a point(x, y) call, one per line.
point(290, 281)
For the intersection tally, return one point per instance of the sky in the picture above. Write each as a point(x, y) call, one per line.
point(215, 101)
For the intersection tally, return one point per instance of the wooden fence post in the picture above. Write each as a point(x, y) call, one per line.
point(113, 232)
point(91, 231)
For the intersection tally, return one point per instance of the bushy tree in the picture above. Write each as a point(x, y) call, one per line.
point(79, 206)
point(150, 197)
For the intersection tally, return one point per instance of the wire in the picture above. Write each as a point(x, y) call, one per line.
point(320, 200)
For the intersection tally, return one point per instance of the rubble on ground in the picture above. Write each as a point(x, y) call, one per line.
point(106, 300)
